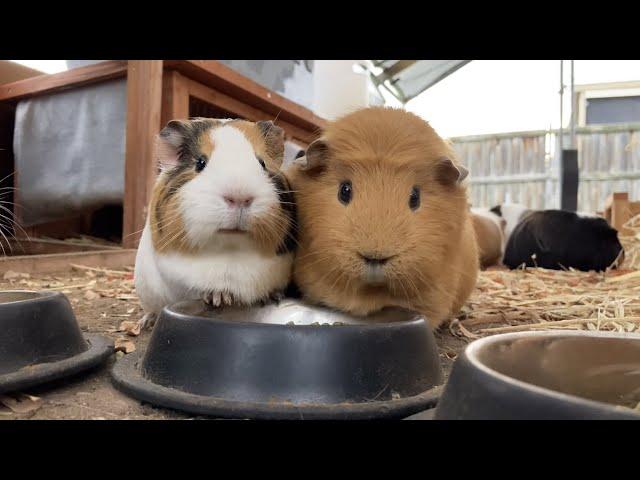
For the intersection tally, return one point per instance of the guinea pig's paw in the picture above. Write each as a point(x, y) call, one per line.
point(147, 321)
point(213, 299)
point(277, 296)
point(274, 297)
point(227, 298)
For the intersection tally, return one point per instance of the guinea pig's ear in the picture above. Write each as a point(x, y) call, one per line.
point(448, 173)
point(315, 158)
point(274, 139)
point(169, 143)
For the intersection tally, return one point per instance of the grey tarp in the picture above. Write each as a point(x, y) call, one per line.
point(69, 151)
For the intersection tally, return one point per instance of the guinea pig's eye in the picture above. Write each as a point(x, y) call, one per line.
point(414, 198)
point(201, 162)
point(345, 192)
point(261, 162)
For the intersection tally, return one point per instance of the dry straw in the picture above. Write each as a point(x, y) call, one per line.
point(541, 299)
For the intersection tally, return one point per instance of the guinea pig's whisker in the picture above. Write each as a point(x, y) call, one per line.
point(4, 178)
point(12, 220)
point(277, 222)
point(405, 278)
point(171, 240)
point(315, 262)
point(338, 278)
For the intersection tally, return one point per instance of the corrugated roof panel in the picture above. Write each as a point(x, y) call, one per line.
point(407, 79)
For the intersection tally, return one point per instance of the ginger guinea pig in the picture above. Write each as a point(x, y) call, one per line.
point(221, 223)
point(489, 229)
point(383, 218)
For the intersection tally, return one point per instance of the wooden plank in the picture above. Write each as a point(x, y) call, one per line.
point(175, 97)
point(620, 212)
point(226, 80)
point(214, 97)
point(73, 78)
point(58, 262)
point(13, 72)
point(144, 104)
point(23, 246)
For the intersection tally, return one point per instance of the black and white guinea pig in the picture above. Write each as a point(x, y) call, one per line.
point(221, 222)
point(512, 213)
point(560, 239)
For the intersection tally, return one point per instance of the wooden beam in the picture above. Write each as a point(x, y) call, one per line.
point(620, 212)
point(212, 96)
point(175, 97)
point(144, 104)
point(39, 246)
point(73, 78)
point(229, 82)
point(58, 262)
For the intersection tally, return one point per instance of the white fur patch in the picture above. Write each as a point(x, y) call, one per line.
point(233, 265)
point(512, 213)
point(233, 170)
point(226, 262)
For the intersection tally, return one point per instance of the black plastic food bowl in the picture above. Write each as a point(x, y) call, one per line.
point(40, 340)
point(286, 361)
point(545, 375)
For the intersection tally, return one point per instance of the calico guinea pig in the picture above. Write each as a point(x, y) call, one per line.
point(221, 223)
point(489, 229)
point(383, 218)
point(561, 239)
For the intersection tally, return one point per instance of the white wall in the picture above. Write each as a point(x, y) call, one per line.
point(337, 89)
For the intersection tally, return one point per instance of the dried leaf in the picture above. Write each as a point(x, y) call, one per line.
point(21, 402)
point(10, 275)
point(130, 327)
point(124, 345)
point(91, 295)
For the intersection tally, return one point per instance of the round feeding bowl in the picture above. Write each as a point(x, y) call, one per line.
point(40, 340)
point(558, 375)
point(285, 361)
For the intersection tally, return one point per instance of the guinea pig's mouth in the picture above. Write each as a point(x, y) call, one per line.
point(235, 231)
point(374, 275)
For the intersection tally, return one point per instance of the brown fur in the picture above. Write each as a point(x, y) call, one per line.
point(490, 238)
point(167, 226)
point(384, 153)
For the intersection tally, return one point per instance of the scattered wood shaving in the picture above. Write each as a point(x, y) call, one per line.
point(124, 345)
point(130, 328)
point(21, 402)
point(10, 275)
point(91, 295)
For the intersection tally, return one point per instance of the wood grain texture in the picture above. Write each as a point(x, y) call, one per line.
point(57, 262)
point(229, 82)
point(73, 78)
point(243, 110)
point(175, 97)
point(144, 104)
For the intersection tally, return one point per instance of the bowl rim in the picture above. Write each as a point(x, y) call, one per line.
point(100, 349)
point(40, 295)
point(471, 353)
point(416, 319)
point(127, 378)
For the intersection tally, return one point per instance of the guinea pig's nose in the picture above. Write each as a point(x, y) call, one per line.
point(373, 259)
point(238, 201)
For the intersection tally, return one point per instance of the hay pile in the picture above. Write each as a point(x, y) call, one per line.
point(541, 299)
